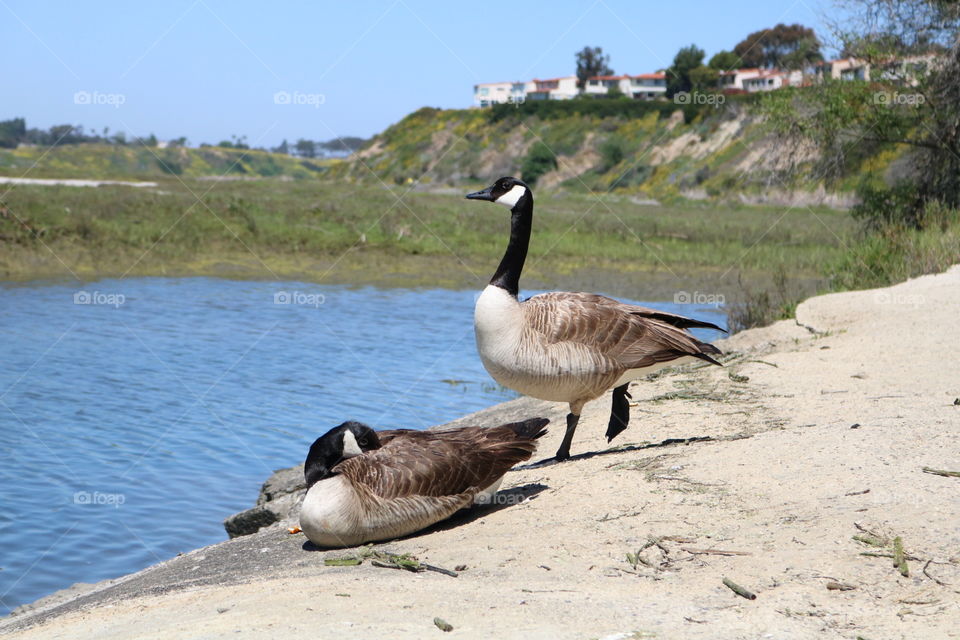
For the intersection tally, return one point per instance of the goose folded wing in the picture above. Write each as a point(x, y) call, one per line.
point(411, 467)
point(625, 336)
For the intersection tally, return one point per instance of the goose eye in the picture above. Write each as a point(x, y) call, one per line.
point(362, 442)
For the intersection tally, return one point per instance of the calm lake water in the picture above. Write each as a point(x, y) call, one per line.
point(136, 415)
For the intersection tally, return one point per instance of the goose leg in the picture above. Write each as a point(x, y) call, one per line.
point(619, 412)
point(564, 451)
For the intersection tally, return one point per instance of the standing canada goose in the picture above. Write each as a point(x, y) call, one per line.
point(570, 347)
point(364, 485)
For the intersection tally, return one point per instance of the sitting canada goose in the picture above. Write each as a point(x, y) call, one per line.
point(364, 485)
point(570, 347)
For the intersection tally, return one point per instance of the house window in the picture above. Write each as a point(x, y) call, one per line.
point(484, 91)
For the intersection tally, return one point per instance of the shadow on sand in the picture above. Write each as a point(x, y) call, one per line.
point(547, 462)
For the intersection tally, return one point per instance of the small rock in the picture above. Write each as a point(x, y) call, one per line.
point(249, 521)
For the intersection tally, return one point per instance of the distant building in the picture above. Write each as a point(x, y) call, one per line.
point(651, 86)
point(646, 86)
point(602, 85)
point(842, 69)
point(771, 80)
point(906, 70)
point(733, 79)
point(553, 89)
point(487, 94)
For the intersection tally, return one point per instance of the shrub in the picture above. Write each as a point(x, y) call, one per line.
point(538, 161)
point(611, 154)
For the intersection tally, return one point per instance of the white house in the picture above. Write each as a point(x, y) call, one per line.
point(487, 94)
point(646, 86)
point(563, 88)
point(601, 85)
point(843, 69)
point(734, 78)
point(771, 80)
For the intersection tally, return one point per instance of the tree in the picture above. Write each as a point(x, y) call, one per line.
point(591, 62)
point(12, 132)
point(920, 110)
point(62, 134)
point(343, 145)
point(284, 148)
point(678, 75)
point(782, 47)
point(306, 148)
point(725, 61)
point(703, 78)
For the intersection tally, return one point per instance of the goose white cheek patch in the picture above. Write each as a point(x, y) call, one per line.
point(512, 197)
point(350, 446)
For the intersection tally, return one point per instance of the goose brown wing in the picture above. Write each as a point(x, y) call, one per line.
point(441, 463)
point(619, 335)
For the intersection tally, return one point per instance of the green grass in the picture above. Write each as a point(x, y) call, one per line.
point(303, 227)
point(149, 163)
point(894, 254)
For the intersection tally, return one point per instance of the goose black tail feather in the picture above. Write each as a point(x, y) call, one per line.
point(705, 357)
point(681, 322)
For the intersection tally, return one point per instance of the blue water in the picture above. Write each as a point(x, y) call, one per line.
point(134, 420)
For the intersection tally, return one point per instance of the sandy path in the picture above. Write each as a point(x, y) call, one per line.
point(786, 480)
point(73, 182)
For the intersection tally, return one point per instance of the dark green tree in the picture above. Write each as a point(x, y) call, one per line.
point(306, 148)
point(678, 75)
point(792, 46)
point(12, 132)
point(703, 78)
point(725, 61)
point(592, 62)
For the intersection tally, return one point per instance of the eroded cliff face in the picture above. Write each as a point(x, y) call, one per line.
point(720, 152)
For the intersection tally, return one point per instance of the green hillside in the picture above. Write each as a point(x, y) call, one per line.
point(129, 161)
point(652, 149)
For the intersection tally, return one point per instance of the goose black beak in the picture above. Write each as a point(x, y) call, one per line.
point(486, 194)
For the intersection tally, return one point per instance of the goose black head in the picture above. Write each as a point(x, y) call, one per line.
point(506, 191)
point(342, 442)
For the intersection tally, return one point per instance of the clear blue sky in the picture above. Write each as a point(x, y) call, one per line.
point(207, 69)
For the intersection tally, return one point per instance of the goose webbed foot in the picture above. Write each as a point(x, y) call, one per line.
point(564, 451)
point(619, 412)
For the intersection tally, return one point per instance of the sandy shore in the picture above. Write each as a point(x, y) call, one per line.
point(815, 431)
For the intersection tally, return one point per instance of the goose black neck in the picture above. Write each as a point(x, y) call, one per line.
point(507, 275)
